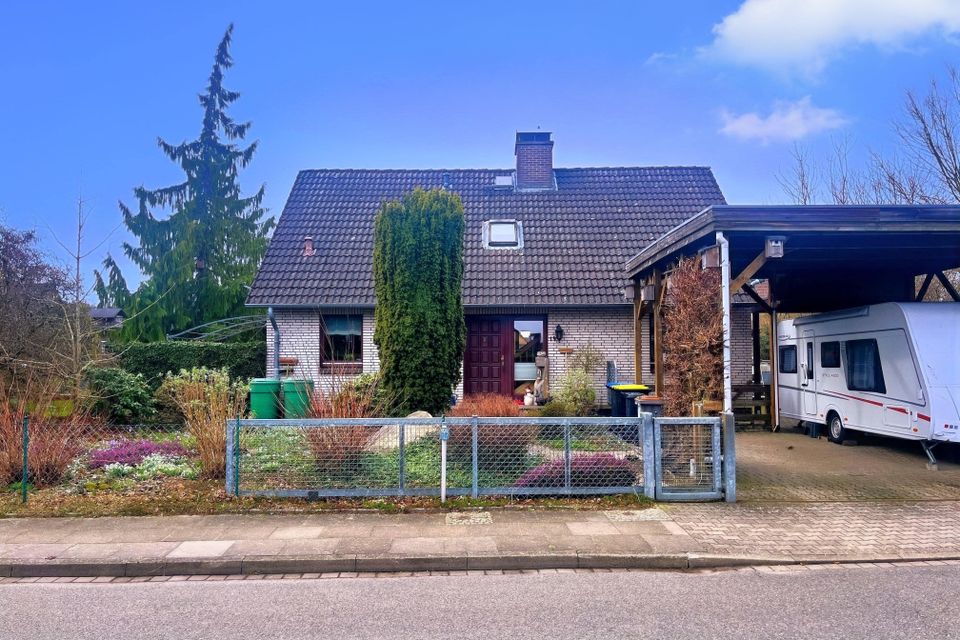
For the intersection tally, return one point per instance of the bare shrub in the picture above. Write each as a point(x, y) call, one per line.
point(692, 338)
point(498, 446)
point(207, 399)
point(485, 404)
point(55, 440)
point(339, 449)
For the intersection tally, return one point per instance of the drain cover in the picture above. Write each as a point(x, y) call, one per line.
point(637, 515)
point(469, 518)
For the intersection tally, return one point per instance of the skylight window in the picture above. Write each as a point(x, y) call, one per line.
point(502, 234)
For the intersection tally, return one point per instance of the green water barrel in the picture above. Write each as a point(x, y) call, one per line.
point(296, 397)
point(265, 398)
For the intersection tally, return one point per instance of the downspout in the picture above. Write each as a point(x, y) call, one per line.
point(725, 292)
point(276, 343)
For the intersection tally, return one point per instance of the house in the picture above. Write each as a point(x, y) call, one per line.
point(544, 256)
point(107, 318)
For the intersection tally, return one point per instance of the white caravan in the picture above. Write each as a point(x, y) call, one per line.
point(891, 369)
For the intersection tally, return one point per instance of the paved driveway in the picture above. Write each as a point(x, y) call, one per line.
point(791, 467)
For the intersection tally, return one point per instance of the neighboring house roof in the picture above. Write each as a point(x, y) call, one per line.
point(107, 313)
point(107, 317)
point(576, 239)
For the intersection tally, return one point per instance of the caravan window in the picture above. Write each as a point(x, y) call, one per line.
point(809, 365)
point(788, 359)
point(864, 372)
point(830, 355)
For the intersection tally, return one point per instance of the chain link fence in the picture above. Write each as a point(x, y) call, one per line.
point(485, 456)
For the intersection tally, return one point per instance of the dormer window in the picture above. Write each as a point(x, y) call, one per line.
point(502, 234)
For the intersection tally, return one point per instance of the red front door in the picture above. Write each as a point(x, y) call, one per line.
point(488, 362)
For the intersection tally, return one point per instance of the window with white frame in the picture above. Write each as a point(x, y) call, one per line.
point(502, 234)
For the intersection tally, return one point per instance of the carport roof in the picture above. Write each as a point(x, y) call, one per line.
point(834, 255)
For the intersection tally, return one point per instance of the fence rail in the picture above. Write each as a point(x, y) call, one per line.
point(484, 456)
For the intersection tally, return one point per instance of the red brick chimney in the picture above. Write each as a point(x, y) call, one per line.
point(534, 151)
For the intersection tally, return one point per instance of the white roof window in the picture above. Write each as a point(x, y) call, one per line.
point(503, 234)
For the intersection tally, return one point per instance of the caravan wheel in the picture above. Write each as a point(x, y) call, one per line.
point(836, 432)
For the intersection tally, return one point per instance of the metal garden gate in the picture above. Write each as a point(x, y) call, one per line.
point(688, 459)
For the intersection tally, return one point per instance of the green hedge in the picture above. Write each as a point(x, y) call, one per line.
point(244, 360)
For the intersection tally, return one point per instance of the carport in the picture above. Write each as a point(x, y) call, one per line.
point(814, 259)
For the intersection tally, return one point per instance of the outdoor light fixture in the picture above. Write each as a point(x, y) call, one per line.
point(558, 333)
point(648, 293)
point(630, 292)
point(774, 246)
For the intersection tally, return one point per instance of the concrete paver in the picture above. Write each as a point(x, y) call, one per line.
point(791, 467)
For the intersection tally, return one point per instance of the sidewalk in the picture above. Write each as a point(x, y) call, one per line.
point(671, 536)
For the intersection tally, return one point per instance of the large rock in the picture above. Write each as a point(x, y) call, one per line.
point(388, 437)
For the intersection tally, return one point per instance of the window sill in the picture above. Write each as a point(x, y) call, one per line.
point(341, 368)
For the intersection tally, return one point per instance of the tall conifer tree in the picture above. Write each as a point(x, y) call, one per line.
point(198, 260)
point(418, 321)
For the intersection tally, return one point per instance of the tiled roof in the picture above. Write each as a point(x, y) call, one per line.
point(576, 239)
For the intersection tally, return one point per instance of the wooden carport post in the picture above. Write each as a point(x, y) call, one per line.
point(660, 292)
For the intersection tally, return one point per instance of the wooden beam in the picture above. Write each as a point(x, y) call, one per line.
point(750, 291)
point(747, 273)
point(945, 281)
point(658, 333)
point(924, 287)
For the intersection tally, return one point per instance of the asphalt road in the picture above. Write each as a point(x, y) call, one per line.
point(900, 602)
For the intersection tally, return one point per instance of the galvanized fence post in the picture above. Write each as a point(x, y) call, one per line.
point(236, 458)
point(729, 458)
point(566, 454)
point(649, 455)
point(228, 460)
point(25, 473)
point(474, 457)
point(716, 455)
point(402, 461)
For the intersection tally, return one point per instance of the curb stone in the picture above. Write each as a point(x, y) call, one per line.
point(262, 565)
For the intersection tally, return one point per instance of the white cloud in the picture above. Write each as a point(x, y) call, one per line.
point(802, 35)
point(787, 121)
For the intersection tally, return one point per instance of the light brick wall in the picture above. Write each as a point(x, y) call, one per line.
point(741, 344)
point(300, 338)
point(646, 375)
point(610, 331)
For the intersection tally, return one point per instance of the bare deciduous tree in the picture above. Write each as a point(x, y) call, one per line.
point(926, 172)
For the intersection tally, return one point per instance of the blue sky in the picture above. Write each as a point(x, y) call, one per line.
point(733, 84)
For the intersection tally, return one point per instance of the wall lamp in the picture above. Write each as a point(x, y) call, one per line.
point(558, 333)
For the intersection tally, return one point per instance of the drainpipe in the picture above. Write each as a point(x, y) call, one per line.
point(276, 343)
point(725, 292)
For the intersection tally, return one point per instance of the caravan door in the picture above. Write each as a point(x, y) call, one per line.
point(807, 375)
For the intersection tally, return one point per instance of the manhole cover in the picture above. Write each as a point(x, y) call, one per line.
point(476, 517)
point(637, 515)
